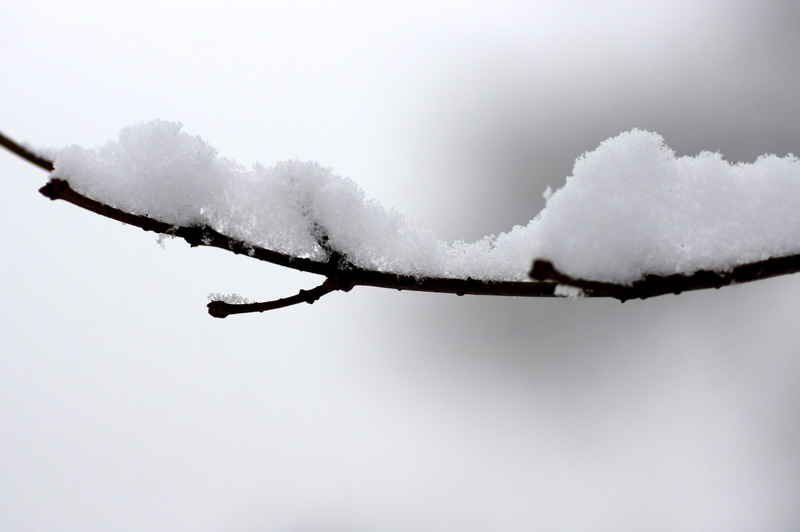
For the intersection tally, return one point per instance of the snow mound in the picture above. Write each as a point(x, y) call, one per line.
point(631, 207)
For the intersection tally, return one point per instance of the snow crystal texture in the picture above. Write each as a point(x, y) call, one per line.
point(630, 208)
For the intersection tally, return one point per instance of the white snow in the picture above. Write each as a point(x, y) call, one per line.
point(233, 299)
point(631, 207)
point(570, 292)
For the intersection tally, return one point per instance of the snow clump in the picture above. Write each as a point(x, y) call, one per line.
point(630, 208)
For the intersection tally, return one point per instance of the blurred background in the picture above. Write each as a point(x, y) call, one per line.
point(124, 406)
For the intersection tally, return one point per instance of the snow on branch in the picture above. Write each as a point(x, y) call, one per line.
point(341, 275)
point(632, 221)
point(632, 208)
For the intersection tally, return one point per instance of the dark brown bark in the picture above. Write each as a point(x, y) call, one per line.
point(25, 153)
point(223, 309)
point(657, 285)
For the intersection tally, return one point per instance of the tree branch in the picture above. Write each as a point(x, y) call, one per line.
point(342, 275)
point(193, 235)
point(333, 267)
point(337, 269)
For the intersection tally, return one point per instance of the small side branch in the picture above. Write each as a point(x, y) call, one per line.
point(222, 309)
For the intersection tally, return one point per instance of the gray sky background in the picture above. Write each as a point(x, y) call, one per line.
point(123, 406)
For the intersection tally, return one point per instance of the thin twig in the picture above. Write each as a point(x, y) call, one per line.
point(25, 153)
point(222, 309)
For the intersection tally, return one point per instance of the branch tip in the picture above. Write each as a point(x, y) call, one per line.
point(54, 189)
point(23, 152)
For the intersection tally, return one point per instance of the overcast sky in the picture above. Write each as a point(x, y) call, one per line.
point(124, 406)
